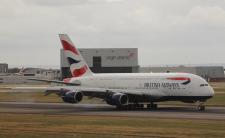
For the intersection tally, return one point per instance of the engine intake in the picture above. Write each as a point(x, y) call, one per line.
point(72, 97)
point(117, 99)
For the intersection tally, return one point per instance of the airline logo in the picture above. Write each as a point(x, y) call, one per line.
point(131, 55)
point(77, 67)
point(185, 79)
point(168, 85)
point(68, 46)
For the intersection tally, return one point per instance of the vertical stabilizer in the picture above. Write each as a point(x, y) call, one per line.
point(78, 66)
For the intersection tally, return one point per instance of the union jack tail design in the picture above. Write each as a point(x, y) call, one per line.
point(78, 66)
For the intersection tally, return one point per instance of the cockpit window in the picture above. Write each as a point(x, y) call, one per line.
point(202, 85)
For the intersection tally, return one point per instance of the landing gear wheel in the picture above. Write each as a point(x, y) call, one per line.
point(152, 106)
point(201, 108)
point(130, 107)
point(119, 107)
point(141, 106)
point(138, 106)
point(148, 106)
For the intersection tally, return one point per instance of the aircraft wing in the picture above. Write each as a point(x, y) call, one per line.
point(56, 81)
point(101, 93)
point(90, 91)
point(27, 89)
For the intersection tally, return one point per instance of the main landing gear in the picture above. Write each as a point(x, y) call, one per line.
point(200, 106)
point(137, 106)
point(152, 106)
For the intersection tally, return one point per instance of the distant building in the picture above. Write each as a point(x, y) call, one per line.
point(21, 80)
point(50, 73)
point(37, 73)
point(3, 68)
point(102, 60)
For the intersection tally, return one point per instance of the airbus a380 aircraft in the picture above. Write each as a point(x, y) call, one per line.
point(128, 90)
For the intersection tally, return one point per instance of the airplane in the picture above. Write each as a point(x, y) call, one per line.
point(127, 90)
point(21, 72)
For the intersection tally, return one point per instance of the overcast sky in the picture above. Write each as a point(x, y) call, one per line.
point(164, 31)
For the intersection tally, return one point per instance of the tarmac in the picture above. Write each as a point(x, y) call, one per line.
point(164, 111)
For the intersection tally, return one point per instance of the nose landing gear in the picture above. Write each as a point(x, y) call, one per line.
point(200, 106)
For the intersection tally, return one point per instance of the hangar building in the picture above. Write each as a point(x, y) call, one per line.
point(125, 60)
point(103, 60)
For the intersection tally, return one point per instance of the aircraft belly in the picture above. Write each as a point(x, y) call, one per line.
point(163, 95)
point(147, 99)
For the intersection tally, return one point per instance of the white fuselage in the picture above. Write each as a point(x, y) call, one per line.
point(152, 84)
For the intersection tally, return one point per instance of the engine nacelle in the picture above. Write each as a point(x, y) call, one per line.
point(117, 99)
point(72, 97)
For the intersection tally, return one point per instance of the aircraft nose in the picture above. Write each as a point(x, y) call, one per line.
point(211, 91)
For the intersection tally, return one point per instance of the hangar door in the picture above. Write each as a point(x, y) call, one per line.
point(97, 61)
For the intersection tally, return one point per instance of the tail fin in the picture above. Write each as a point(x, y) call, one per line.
point(78, 66)
point(21, 70)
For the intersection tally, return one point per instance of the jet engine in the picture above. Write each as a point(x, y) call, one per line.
point(117, 99)
point(72, 97)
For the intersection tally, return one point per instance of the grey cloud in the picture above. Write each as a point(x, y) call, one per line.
point(162, 30)
point(53, 3)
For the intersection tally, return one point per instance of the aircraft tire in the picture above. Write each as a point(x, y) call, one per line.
point(148, 106)
point(200, 108)
point(154, 106)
